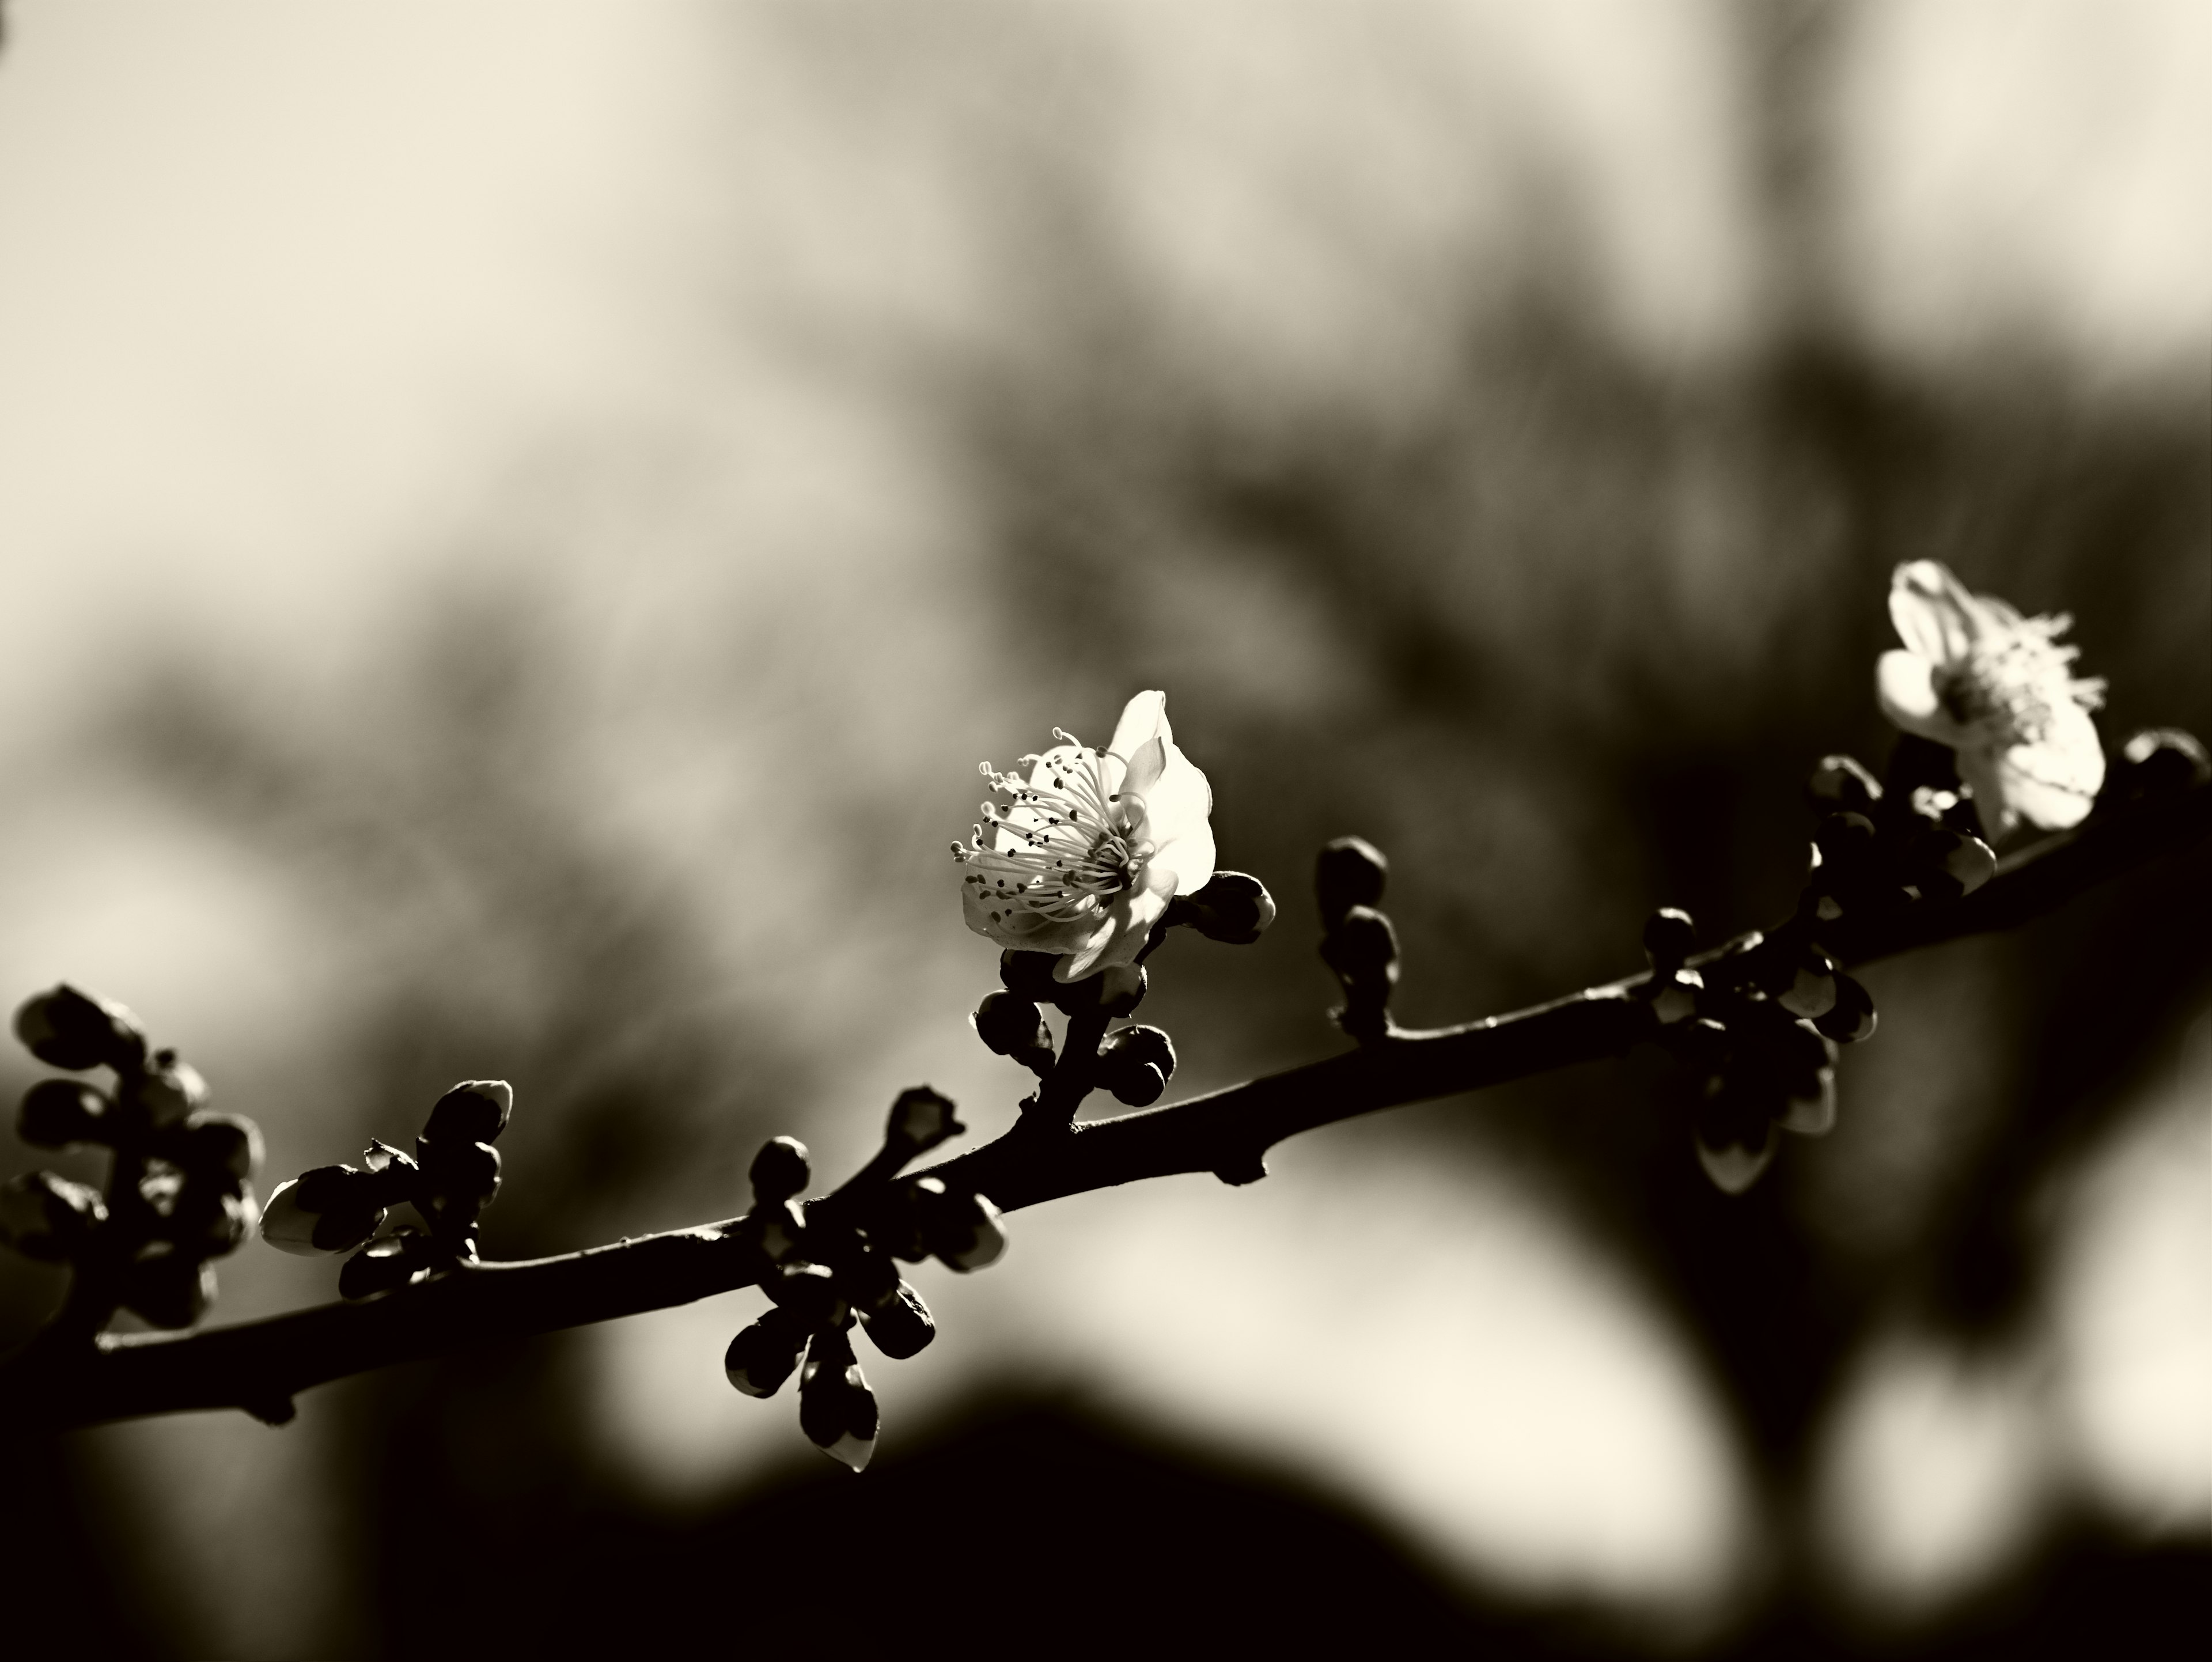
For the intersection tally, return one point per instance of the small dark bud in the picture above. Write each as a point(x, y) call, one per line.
point(1670, 937)
point(1362, 947)
point(1234, 908)
point(763, 1355)
point(169, 1289)
point(332, 1208)
point(1010, 1025)
point(1116, 991)
point(460, 1176)
point(809, 1292)
point(66, 1028)
point(1029, 975)
point(1945, 865)
point(47, 1217)
point(1135, 1064)
point(57, 1113)
point(921, 1119)
point(229, 1144)
point(475, 1110)
point(207, 1222)
point(1845, 843)
point(779, 1171)
point(1735, 1137)
point(2159, 762)
point(1349, 872)
point(1841, 784)
point(1812, 989)
point(837, 1410)
point(388, 1262)
point(166, 1092)
point(927, 1219)
point(899, 1324)
point(1852, 1017)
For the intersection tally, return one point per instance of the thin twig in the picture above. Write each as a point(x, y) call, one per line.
point(258, 1366)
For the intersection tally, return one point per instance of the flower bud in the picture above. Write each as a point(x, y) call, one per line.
point(2158, 763)
point(1349, 872)
point(1669, 938)
point(919, 1120)
point(1812, 989)
point(779, 1171)
point(1946, 864)
point(332, 1208)
point(229, 1144)
point(1840, 784)
point(165, 1093)
point(1135, 1064)
point(1009, 1024)
point(57, 1113)
point(1845, 843)
point(169, 1289)
point(207, 1221)
point(763, 1355)
point(1735, 1138)
point(460, 1178)
point(1029, 975)
point(1121, 987)
point(1852, 1018)
point(1361, 947)
point(66, 1028)
point(964, 1231)
point(810, 1292)
point(475, 1110)
point(837, 1410)
point(388, 1262)
point(898, 1323)
point(1234, 908)
point(47, 1217)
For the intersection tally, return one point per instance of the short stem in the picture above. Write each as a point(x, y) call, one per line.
point(1072, 1078)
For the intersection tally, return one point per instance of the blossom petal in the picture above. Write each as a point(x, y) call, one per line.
point(1177, 818)
point(1022, 929)
point(1934, 613)
point(2054, 783)
point(1905, 683)
point(1144, 718)
point(1992, 801)
point(1121, 935)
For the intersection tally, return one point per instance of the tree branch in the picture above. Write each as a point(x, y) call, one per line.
point(53, 1383)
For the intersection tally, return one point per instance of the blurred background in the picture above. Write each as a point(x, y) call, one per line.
point(519, 520)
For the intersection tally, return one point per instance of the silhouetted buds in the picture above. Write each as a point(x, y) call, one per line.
point(779, 1171)
point(1946, 864)
point(66, 1028)
point(475, 1110)
point(1116, 990)
point(898, 1322)
point(332, 1208)
point(1135, 1064)
point(1812, 988)
point(2158, 762)
point(837, 1410)
point(1030, 974)
point(1852, 1017)
point(1234, 908)
point(1350, 872)
point(164, 1093)
point(457, 1178)
point(962, 1231)
point(810, 1292)
point(1844, 851)
point(169, 1289)
point(762, 1356)
point(1670, 937)
point(57, 1113)
point(1840, 784)
point(224, 1143)
point(47, 1217)
point(207, 1221)
point(1361, 947)
point(1012, 1026)
point(1737, 1136)
point(919, 1120)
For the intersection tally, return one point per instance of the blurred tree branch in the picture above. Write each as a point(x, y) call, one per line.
point(60, 1380)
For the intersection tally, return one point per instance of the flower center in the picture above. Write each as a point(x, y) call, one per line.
point(1062, 845)
point(2013, 683)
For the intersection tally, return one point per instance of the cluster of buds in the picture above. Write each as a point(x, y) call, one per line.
point(1881, 850)
point(180, 1188)
point(452, 1175)
point(1358, 942)
point(828, 1266)
point(1133, 1063)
